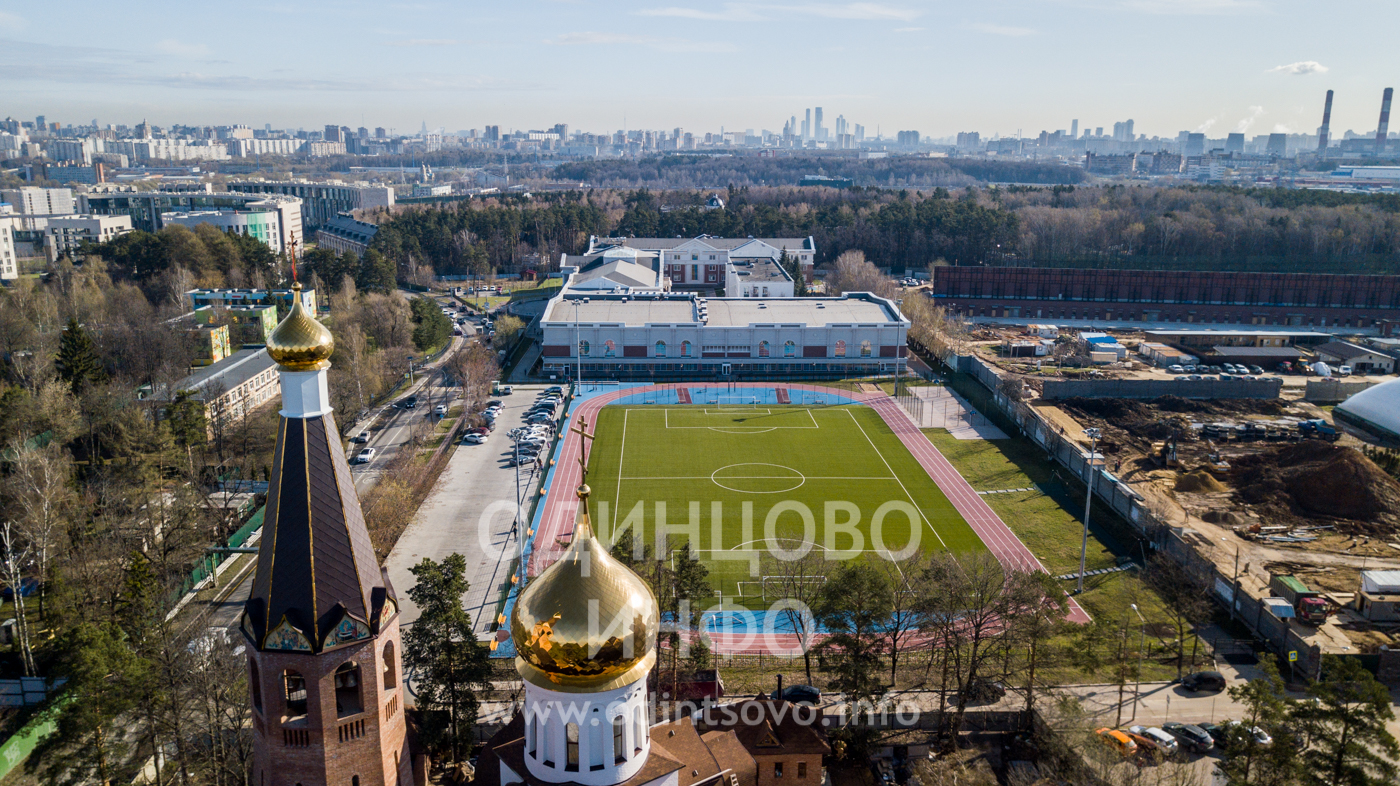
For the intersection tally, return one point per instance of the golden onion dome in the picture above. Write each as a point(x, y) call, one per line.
point(587, 624)
point(301, 342)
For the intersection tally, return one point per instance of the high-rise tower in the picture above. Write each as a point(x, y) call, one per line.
point(322, 621)
point(1324, 131)
point(1384, 126)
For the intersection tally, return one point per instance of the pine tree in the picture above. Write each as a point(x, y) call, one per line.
point(1350, 743)
point(77, 362)
point(452, 666)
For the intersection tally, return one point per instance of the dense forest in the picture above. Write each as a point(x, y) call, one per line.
point(1116, 226)
point(709, 171)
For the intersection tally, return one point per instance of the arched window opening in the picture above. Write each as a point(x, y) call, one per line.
point(789, 350)
point(685, 349)
point(347, 691)
point(255, 684)
point(865, 349)
point(354, 780)
point(571, 747)
point(295, 694)
point(763, 349)
point(661, 349)
point(390, 678)
point(619, 724)
point(841, 348)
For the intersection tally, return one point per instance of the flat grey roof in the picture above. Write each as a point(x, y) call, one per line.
point(1165, 332)
point(230, 372)
point(816, 312)
point(763, 270)
point(1257, 352)
point(633, 311)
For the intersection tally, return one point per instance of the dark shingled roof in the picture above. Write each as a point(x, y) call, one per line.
point(316, 564)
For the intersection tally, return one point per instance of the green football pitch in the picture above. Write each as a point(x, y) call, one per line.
point(739, 482)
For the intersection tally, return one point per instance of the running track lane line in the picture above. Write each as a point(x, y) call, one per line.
point(561, 506)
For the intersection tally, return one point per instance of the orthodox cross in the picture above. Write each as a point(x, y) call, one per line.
point(585, 438)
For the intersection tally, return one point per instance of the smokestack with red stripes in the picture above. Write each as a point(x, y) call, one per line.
point(1384, 127)
point(1322, 132)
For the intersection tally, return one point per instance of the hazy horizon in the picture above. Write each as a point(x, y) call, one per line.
point(1170, 65)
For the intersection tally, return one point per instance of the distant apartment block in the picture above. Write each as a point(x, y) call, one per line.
point(66, 234)
point(225, 298)
point(322, 202)
point(149, 210)
point(1292, 299)
point(250, 148)
point(9, 262)
point(261, 224)
point(40, 201)
point(344, 233)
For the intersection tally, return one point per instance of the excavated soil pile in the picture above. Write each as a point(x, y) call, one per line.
point(1140, 421)
point(1199, 482)
point(1319, 480)
point(1228, 518)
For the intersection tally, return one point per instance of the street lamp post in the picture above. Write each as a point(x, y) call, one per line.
point(1093, 435)
point(410, 370)
point(1142, 647)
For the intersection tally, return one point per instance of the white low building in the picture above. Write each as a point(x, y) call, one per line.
point(619, 270)
point(757, 278)
point(701, 263)
point(66, 234)
point(672, 334)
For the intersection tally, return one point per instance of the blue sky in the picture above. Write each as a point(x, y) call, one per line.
point(993, 66)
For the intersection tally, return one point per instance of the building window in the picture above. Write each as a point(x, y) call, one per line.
point(841, 348)
point(255, 682)
point(694, 272)
point(389, 681)
point(583, 349)
point(685, 349)
point(661, 349)
point(802, 769)
point(295, 693)
point(763, 349)
point(789, 350)
point(571, 747)
point(865, 349)
point(777, 769)
point(619, 725)
point(347, 691)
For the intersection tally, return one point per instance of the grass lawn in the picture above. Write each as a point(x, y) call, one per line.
point(1050, 525)
point(725, 477)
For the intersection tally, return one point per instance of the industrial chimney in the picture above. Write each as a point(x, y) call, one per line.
point(1384, 127)
point(1322, 133)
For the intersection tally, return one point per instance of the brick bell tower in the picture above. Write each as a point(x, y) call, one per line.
point(324, 656)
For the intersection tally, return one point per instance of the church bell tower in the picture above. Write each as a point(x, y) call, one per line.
point(324, 656)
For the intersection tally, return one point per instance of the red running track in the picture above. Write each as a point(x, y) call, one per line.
point(561, 506)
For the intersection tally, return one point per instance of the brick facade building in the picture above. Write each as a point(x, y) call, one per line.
point(1235, 298)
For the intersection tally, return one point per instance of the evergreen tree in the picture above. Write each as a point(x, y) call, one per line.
point(186, 420)
point(90, 744)
point(452, 666)
point(853, 605)
point(77, 362)
point(793, 266)
point(1350, 743)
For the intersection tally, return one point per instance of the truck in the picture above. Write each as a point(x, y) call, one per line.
point(1319, 429)
point(1309, 606)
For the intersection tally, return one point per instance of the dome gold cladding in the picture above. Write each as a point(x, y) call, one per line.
point(587, 623)
point(300, 342)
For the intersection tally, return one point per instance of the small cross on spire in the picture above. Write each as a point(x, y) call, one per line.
point(582, 431)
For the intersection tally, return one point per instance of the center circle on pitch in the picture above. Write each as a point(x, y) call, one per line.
point(757, 478)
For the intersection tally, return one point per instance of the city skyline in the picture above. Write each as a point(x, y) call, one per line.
point(940, 68)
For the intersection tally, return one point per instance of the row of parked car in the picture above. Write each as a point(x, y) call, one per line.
point(1173, 737)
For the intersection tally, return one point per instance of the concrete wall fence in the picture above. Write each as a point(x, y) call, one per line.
point(1176, 542)
point(1333, 390)
point(1250, 387)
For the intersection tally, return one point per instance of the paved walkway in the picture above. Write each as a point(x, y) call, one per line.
point(939, 407)
point(561, 506)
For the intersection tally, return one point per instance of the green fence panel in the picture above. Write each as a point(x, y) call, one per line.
point(246, 531)
point(17, 748)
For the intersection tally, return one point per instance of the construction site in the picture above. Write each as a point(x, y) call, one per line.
point(1264, 484)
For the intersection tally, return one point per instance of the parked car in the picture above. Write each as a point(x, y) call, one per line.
point(504, 390)
point(1162, 740)
point(1209, 681)
point(474, 439)
point(1258, 735)
point(1118, 741)
point(478, 430)
point(440, 410)
point(495, 402)
point(1256, 370)
point(1344, 370)
point(1217, 731)
point(365, 456)
point(361, 437)
point(1175, 369)
point(798, 694)
point(1192, 738)
point(554, 389)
